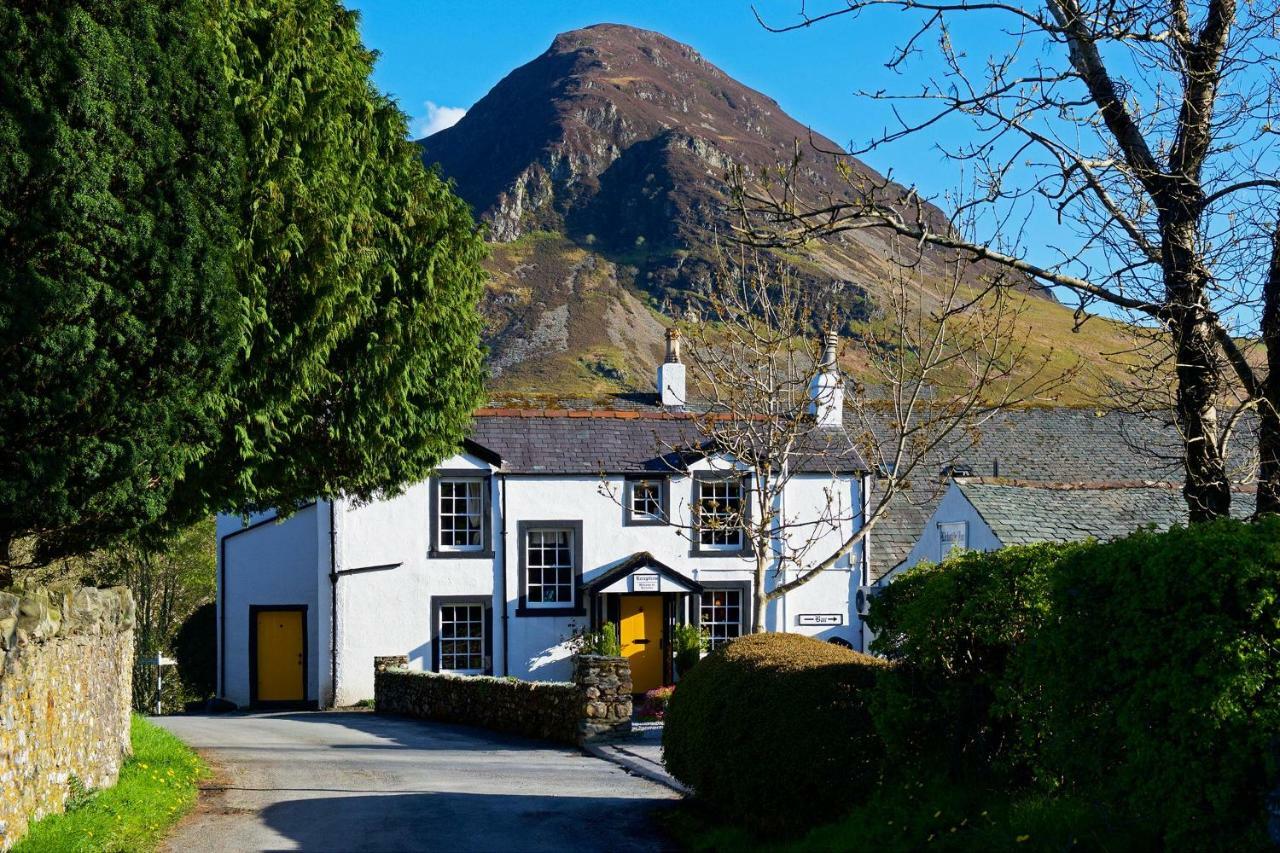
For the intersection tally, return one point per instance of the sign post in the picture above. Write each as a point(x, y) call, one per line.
point(159, 662)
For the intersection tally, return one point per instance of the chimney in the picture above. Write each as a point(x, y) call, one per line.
point(826, 391)
point(671, 373)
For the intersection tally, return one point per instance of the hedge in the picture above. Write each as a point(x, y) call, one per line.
point(773, 730)
point(955, 627)
point(1160, 678)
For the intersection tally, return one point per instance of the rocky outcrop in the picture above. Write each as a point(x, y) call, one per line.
point(66, 679)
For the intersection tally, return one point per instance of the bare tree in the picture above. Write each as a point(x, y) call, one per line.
point(1145, 131)
point(774, 403)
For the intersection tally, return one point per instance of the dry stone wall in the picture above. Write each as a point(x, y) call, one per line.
point(596, 704)
point(66, 681)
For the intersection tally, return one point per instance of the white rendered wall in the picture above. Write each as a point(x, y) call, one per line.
point(953, 507)
point(274, 563)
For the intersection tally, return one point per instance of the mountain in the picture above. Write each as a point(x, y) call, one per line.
point(600, 169)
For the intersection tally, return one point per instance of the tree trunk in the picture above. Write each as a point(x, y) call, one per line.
point(1269, 405)
point(1199, 378)
point(760, 598)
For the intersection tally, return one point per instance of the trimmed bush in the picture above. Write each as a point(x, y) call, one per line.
point(954, 627)
point(1160, 676)
point(773, 730)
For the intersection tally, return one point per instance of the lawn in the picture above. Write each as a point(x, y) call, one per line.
point(157, 786)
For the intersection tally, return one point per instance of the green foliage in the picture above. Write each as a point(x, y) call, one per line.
point(602, 642)
point(195, 646)
point(118, 190)
point(772, 729)
point(360, 275)
point(222, 267)
point(1160, 679)
point(955, 627)
point(689, 643)
point(157, 786)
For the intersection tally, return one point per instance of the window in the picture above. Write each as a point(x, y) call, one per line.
point(719, 513)
point(549, 566)
point(953, 536)
point(461, 631)
point(460, 515)
point(720, 617)
point(646, 501)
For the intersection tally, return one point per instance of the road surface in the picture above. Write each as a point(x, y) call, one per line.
point(351, 781)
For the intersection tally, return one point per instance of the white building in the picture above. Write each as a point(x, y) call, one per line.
point(546, 524)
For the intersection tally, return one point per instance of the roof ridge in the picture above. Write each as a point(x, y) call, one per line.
point(1079, 485)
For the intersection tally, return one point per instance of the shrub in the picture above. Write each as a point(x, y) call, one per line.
point(954, 627)
point(603, 642)
point(1161, 679)
point(196, 647)
point(689, 644)
point(773, 730)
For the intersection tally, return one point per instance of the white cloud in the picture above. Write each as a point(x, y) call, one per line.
point(438, 118)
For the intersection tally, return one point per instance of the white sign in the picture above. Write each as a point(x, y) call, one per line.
point(821, 618)
point(158, 660)
point(644, 583)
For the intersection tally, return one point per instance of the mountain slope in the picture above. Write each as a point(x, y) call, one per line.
point(600, 170)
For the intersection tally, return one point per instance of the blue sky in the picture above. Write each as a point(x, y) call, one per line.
point(451, 53)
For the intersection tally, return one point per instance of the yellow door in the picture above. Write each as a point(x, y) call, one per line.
point(641, 636)
point(280, 654)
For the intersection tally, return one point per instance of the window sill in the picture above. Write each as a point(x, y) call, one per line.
point(741, 552)
point(632, 521)
point(551, 611)
point(460, 555)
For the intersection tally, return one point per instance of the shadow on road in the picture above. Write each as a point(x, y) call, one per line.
point(462, 821)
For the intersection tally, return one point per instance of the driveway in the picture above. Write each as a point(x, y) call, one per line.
point(356, 781)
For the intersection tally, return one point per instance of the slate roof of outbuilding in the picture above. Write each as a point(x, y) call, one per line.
point(1024, 513)
point(615, 441)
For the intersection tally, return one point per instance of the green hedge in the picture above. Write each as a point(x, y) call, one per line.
point(1160, 678)
point(955, 627)
point(773, 730)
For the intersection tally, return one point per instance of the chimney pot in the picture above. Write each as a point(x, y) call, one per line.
point(671, 384)
point(826, 391)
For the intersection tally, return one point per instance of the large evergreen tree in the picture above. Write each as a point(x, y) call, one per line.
point(228, 281)
point(360, 275)
point(118, 173)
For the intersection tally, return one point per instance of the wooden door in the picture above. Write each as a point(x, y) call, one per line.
point(281, 655)
point(641, 637)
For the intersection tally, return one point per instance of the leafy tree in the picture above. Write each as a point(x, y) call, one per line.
point(223, 265)
point(118, 170)
point(359, 272)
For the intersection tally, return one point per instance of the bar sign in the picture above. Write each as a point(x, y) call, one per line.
point(821, 618)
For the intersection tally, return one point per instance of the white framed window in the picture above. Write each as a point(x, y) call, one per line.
point(646, 499)
point(460, 632)
point(549, 566)
point(720, 616)
point(461, 513)
point(718, 505)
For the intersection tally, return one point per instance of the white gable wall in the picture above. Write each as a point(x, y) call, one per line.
point(953, 507)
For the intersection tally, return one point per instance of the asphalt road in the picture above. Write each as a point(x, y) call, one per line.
point(361, 782)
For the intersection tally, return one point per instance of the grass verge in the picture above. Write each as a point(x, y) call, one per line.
point(157, 786)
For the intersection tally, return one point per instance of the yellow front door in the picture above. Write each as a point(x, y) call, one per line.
point(641, 636)
point(280, 656)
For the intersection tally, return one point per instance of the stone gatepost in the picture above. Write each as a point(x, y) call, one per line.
point(604, 689)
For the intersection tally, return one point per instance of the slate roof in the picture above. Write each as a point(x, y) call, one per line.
point(596, 441)
point(1025, 513)
point(1052, 445)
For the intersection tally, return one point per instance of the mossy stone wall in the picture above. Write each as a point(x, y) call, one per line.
point(66, 681)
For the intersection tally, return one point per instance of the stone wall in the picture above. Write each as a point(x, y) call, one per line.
point(66, 680)
point(596, 704)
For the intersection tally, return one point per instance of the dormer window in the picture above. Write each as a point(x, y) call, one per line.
point(460, 515)
point(646, 501)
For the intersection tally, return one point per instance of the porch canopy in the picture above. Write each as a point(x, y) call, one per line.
point(640, 573)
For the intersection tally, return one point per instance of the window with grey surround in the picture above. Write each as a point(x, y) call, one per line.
point(646, 500)
point(718, 507)
point(461, 502)
point(550, 570)
point(720, 616)
point(461, 637)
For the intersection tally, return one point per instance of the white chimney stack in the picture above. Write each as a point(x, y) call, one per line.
point(826, 391)
point(671, 373)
